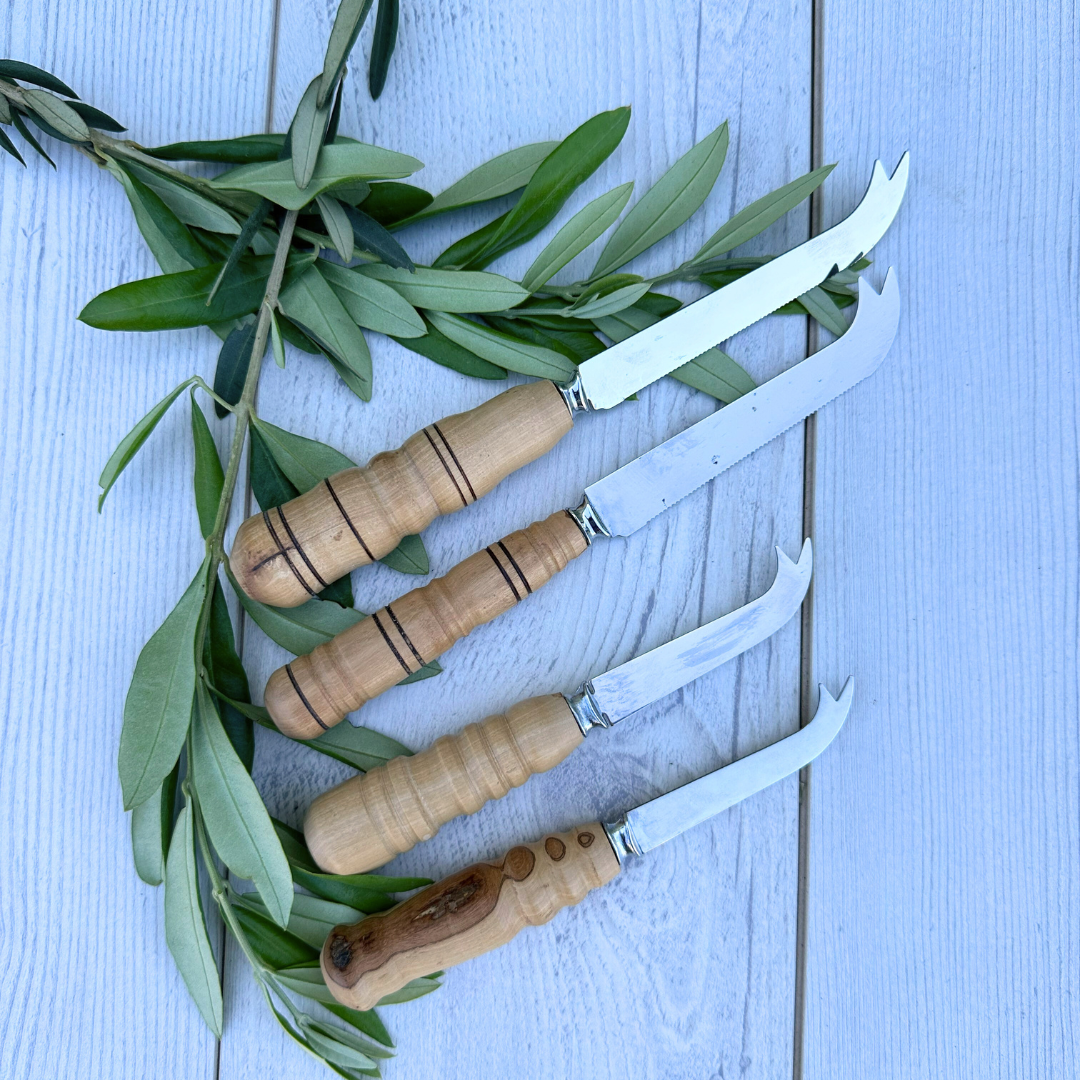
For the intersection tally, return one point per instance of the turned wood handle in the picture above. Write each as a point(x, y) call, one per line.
point(370, 818)
point(465, 915)
point(316, 691)
point(292, 552)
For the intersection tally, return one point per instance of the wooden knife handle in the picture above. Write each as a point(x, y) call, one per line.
point(370, 818)
point(465, 915)
point(314, 692)
point(289, 554)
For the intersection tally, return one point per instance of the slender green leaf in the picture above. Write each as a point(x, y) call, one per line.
point(349, 377)
point(382, 46)
point(188, 205)
point(824, 308)
point(760, 214)
point(330, 1043)
point(243, 241)
point(306, 133)
point(269, 484)
point(24, 131)
point(374, 238)
point(226, 674)
point(390, 202)
point(352, 889)
point(411, 991)
point(306, 462)
point(610, 303)
point(95, 117)
point(431, 668)
point(372, 303)
point(132, 442)
point(311, 918)
point(274, 946)
point(409, 557)
point(234, 359)
point(209, 477)
point(436, 346)
point(347, 23)
point(335, 115)
point(359, 747)
point(235, 816)
point(245, 150)
point(307, 979)
point(295, 336)
point(464, 251)
point(151, 830)
point(5, 110)
point(504, 350)
point(338, 225)
point(185, 925)
point(367, 1022)
point(339, 163)
point(9, 146)
point(276, 341)
point(576, 345)
point(576, 235)
point(668, 203)
point(459, 291)
point(299, 629)
point(16, 69)
point(58, 115)
point(500, 176)
point(310, 302)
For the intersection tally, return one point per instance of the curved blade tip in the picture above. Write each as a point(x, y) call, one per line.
point(803, 569)
point(827, 704)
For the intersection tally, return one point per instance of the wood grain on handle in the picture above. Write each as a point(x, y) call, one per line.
point(314, 692)
point(465, 915)
point(370, 818)
point(289, 554)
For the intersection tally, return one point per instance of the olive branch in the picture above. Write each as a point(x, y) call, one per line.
point(296, 242)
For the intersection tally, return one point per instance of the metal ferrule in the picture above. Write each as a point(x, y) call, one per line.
point(573, 393)
point(621, 836)
point(589, 521)
point(587, 712)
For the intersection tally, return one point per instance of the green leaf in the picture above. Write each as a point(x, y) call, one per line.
point(185, 926)
point(464, 251)
point(157, 710)
point(188, 205)
point(409, 557)
point(576, 345)
point(177, 301)
point(500, 176)
point(307, 979)
point(243, 241)
point(95, 117)
point(331, 1044)
point(576, 235)
point(824, 308)
point(374, 238)
point(5, 110)
point(310, 302)
point(367, 1022)
point(274, 946)
point(235, 816)
point(350, 17)
point(242, 151)
point(359, 747)
point(269, 484)
point(16, 69)
point(299, 629)
point(306, 462)
point(338, 226)
point(209, 477)
point(132, 442)
point(311, 918)
point(226, 673)
point(459, 291)
point(234, 359)
point(8, 145)
point(760, 214)
point(275, 340)
point(372, 303)
point(24, 131)
point(504, 350)
point(411, 991)
point(390, 202)
point(352, 889)
point(568, 166)
point(432, 667)
point(382, 46)
point(58, 114)
point(151, 829)
point(306, 133)
point(436, 346)
point(598, 306)
point(668, 203)
point(339, 163)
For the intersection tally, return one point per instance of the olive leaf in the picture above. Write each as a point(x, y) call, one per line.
point(276, 342)
point(367, 1022)
point(95, 117)
point(299, 629)
point(409, 557)
point(436, 346)
point(306, 462)
point(58, 114)
point(597, 307)
point(459, 291)
point(502, 175)
point(185, 926)
point(235, 816)
point(311, 918)
point(226, 674)
point(244, 150)
point(24, 131)
point(372, 303)
point(209, 477)
point(243, 241)
point(823, 307)
point(372, 237)
point(5, 142)
point(151, 830)
point(190, 206)
point(333, 1045)
point(359, 747)
point(667, 204)
point(16, 69)
point(411, 991)
point(306, 133)
point(234, 359)
point(576, 235)
point(382, 46)
point(338, 225)
point(273, 945)
point(132, 442)
point(390, 202)
point(347, 23)
point(502, 349)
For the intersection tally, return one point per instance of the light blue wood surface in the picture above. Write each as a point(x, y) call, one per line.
point(944, 850)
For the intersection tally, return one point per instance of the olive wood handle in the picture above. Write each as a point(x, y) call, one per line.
point(292, 552)
point(465, 915)
point(367, 820)
point(316, 691)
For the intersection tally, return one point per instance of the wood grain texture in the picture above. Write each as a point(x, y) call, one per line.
point(944, 929)
point(82, 593)
point(367, 820)
point(478, 909)
point(286, 556)
point(688, 995)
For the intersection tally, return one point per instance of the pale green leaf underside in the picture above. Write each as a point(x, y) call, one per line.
point(501, 349)
point(372, 303)
point(458, 291)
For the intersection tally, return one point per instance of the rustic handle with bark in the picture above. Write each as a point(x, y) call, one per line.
point(465, 915)
point(370, 818)
point(291, 553)
point(314, 692)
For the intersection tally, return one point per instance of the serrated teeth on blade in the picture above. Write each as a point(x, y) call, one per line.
point(631, 496)
point(653, 675)
point(655, 822)
point(657, 350)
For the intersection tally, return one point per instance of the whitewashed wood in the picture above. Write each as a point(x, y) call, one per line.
point(684, 965)
point(82, 593)
point(945, 855)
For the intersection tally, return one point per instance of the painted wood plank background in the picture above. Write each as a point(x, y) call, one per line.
point(944, 851)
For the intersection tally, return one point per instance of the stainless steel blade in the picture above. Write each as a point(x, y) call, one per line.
point(657, 350)
point(631, 496)
point(655, 822)
point(653, 675)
